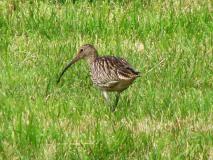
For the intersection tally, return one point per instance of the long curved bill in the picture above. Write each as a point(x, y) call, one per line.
point(67, 66)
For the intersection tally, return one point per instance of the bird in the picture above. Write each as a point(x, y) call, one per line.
point(108, 73)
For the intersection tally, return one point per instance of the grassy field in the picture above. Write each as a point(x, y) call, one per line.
point(166, 114)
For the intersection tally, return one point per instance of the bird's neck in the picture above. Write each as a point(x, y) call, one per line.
point(90, 59)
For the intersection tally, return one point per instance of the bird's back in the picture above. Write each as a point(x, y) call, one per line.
point(112, 73)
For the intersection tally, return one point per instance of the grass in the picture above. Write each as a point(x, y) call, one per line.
point(165, 114)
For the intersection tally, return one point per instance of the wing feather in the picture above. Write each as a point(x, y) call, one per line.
point(110, 70)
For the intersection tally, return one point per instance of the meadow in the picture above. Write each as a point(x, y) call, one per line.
point(166, 114)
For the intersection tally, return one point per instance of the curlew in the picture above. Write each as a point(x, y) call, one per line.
point(109, 73)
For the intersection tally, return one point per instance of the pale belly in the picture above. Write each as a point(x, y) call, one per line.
point(118, 86)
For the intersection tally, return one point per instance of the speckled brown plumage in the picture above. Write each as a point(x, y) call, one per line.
point(112, 73)
point(109, 73)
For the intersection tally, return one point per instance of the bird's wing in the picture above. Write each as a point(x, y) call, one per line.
point(124, 70)
point(110, 70)
point(104, 73)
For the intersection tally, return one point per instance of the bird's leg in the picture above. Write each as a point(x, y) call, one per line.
point(106, 96)
point(116, 102)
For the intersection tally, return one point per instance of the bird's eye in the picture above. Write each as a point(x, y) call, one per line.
point(81, 50)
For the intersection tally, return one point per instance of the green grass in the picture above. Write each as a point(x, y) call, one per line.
point(165, 114)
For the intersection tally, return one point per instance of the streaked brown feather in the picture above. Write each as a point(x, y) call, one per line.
point(109, 71)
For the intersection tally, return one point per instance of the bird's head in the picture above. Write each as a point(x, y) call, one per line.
point(87, 52)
